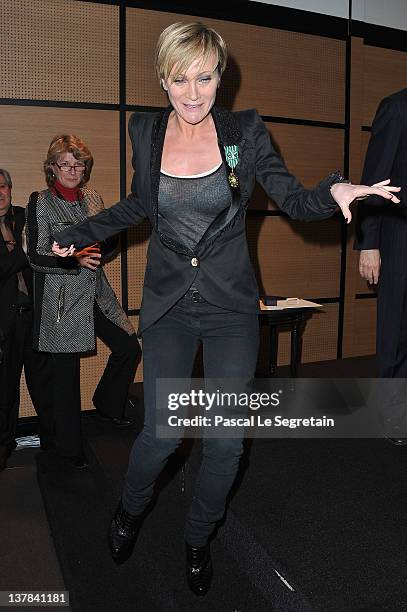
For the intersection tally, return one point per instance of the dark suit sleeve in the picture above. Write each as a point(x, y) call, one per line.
point(126, 213)
point(284, 188)
point(39, 241)
point(12, 262)
point(108, 247)
point(380, 156)
point(16, 260)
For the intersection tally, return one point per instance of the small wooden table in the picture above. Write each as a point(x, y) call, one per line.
point(295, 319)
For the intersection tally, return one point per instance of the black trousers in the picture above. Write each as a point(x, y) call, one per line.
point(230, 342)
point(391, 328)
point(391, 340)
point(111, 393)
point(18, 353)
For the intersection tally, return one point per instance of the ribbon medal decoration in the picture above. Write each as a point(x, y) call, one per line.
point(232, 159)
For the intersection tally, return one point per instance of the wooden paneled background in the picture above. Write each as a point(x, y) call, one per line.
point(60, 66)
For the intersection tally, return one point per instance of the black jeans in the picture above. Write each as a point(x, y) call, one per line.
point(18, 353)
point(111, 393)
point(230, 346)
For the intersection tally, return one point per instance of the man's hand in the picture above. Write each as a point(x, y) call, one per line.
point(369, 265)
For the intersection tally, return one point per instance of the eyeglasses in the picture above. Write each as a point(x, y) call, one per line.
point(65, 167)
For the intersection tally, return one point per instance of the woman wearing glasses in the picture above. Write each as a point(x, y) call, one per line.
point(73, 299)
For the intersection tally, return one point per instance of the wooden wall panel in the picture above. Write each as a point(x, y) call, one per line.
point(362, 286)
point(363, 339)
point(278, 72)
point(385, 72)
point(26, 407)
point(355, 169)
point(318, 340)
point(59, 50)
point(28, 130)
point(364, 143)
point(356, 154)
point(294, 258)
point(310, 153)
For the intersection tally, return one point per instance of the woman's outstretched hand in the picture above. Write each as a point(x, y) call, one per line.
point(345, 193)
point(62, 251)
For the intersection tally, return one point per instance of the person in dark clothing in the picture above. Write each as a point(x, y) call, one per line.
point(381, 238)
point(74, 300)
point(195, 166)
point(16, 334)
point(382, 234)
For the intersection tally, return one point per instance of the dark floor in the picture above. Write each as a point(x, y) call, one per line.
point(28, 560)
point(313, 525)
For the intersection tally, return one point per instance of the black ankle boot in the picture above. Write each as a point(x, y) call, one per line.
point(123, 533)
point(199, 569)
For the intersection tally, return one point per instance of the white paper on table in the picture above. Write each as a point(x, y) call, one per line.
point(290, 303)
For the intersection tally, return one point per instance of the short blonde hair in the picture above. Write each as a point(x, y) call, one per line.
point(67, 143)
point(181, 44)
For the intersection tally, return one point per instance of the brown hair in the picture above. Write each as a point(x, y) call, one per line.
point(67, 143)
point(182, 43)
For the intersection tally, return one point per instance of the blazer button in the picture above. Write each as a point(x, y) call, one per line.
point(194, 262)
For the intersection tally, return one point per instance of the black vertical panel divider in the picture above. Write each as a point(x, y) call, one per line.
point(123, 160)
point(346, 145)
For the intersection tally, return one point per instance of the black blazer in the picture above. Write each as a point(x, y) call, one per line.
point(386, 157)
point(12, 262)
point(221, 258)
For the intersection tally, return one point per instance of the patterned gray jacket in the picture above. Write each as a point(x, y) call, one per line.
point(64, 292)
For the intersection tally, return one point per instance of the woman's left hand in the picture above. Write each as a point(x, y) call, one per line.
point(345, 193)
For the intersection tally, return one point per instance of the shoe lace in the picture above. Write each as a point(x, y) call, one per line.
point(126, 523)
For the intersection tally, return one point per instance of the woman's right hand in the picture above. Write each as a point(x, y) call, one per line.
point(62, 251)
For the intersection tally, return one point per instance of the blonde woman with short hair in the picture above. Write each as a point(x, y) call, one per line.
point(195, 166)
